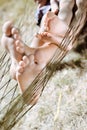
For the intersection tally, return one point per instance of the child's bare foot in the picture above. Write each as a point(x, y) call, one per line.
point(45, 21)
point(49, 21)
point(50, 38)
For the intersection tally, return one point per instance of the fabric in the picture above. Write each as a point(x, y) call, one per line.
point(40, 13)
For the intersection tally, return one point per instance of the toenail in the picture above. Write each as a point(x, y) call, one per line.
point(21, 63)
point(17, 42)
point(7, 28)
point(26, 60)
point(15, 36)
point(14, 31)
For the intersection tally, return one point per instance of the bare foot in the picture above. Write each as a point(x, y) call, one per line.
point(10, 35)
point(26, 62)
point(31, 65)
point(50, 38)
point(23, 68)
point(26, 72)
point(48, 25)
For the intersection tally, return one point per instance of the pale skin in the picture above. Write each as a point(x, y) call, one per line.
point(64, 11)
point(65, 14)
point(27, 61)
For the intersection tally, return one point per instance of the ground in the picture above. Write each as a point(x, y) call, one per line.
point(66, 90)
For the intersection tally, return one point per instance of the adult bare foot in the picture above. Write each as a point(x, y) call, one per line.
point(26, 62)
point(10, 35)
point(23, 68)
point(29, 67)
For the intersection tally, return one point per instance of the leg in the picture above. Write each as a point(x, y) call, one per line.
point(25, 68)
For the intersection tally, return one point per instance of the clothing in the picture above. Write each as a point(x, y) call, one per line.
point(41, 11)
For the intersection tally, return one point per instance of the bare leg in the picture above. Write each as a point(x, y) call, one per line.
point(26, 62)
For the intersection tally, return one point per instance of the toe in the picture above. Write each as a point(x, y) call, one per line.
point(14, 31)
point(19, 46)
point(22, 64)
point(20, 50)
point(20, 69)
point(39, 35)
point(16, 36)
point(26, 60)
point(7, 28)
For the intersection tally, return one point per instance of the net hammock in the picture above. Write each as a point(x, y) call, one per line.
point(15, 108)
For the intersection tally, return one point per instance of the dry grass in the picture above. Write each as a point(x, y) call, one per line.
point(69, 82)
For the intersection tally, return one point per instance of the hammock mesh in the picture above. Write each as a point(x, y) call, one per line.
point(13, 110)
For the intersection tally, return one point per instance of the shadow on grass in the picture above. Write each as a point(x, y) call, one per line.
point(81, 64)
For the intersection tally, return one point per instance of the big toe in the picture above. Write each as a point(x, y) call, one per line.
point(7, 28)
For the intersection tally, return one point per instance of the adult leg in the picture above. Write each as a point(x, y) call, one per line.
point(26, 62)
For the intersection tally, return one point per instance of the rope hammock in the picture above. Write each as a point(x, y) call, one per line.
point(13, 110)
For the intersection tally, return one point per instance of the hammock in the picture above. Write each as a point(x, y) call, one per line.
point(14, 110)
